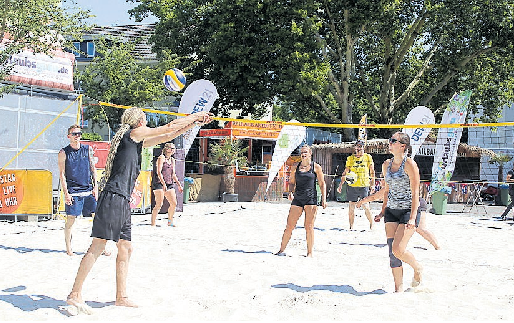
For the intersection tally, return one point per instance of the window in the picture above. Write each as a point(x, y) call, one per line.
point(90, 49)
point(77, 47)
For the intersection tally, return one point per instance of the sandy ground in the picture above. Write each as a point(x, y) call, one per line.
point(218, 264)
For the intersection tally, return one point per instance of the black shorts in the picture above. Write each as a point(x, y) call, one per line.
point(302, 201)
point(401, 216)
point(112, 219)
point(353, 194)
point(158, 186)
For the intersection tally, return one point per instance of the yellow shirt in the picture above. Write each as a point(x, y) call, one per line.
point(360, 166)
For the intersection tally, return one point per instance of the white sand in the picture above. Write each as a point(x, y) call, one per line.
point(218, 264)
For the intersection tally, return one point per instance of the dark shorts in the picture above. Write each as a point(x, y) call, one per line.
point(112, 219)
point(401, 216)
point(302, 201)
point(158, 186)
point(353, 194)
point(84, 205)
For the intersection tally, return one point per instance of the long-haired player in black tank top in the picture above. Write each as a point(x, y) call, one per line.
point(303, 182)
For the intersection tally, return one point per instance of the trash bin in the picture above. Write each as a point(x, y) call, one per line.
point(187, 182)
point(504, 195)
point(439, 202)
point(340, 197)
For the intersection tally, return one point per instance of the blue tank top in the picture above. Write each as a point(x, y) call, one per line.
point(77, 169)
point(400, 195)
point(125, 167)
point(305, 184)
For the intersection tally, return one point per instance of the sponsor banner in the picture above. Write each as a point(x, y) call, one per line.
point(26, 192)
point(448, 140)
point(419, 115)
point(39, 69)
point(289, 139)
point(238, 129)
point(198, 96)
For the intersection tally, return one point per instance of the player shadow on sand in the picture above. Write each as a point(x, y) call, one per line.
point(243, 251)
point(29, 303)
point(26, 250)
point(333, 288)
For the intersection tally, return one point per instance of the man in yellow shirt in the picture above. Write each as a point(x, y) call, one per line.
point(360, 176)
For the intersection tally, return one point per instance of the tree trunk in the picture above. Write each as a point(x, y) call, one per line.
point(229, 180)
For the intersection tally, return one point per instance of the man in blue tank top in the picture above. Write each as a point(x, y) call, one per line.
point(77, 173)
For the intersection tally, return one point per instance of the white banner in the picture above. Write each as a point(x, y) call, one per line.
point(448, 140)
point(198, 96)
point(418, 115)
point(289, 139)
point(39, 69)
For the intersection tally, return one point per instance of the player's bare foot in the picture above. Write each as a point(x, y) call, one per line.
point(70, 253)
point(416, 280)
point(106, 253)
point(124, 301)
point(75, 300)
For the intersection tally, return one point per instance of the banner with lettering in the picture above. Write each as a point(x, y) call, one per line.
point(419, 115)
point(289, 139)
point(448, 142)
point(363, 132)
point(26, 192)
point(198, 96)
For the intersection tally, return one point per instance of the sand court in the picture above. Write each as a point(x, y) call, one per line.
point(218, 264)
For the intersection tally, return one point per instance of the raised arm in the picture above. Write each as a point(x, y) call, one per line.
point(154, 136)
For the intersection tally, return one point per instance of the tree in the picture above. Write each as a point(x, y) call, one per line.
point(334, 60)
point(500, 160)
point(117, 76)
point(37, 25)
point(228, 153)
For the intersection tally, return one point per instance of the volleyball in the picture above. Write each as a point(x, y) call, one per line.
point(174, 79)
point(351, 177)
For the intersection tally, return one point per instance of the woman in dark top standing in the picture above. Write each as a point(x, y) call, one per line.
point(303, 182)
point(112, 219)
point(164, 180)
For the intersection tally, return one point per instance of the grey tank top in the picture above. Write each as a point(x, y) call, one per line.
point(400, 195)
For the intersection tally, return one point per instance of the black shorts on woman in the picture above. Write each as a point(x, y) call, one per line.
point(158, 186)
point(401, 216)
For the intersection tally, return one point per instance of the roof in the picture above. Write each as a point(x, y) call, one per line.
point(382, 145)
point(130, 33)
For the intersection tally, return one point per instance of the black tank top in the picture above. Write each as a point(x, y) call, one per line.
point(126, 167)
point(305, 183)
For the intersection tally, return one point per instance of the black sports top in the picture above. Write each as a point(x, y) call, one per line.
point(126, 167)
point(305, 184)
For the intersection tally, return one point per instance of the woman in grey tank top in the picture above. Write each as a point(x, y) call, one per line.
point(400, 207)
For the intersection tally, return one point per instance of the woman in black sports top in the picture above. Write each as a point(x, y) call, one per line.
point(303, 183)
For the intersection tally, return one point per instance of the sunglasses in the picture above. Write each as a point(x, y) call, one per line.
point(392, 141)
point(76, 133)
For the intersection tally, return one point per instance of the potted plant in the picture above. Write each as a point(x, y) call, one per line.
point(500, 160)
point(227, 154)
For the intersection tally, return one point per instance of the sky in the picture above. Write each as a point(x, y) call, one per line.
point(109, 12)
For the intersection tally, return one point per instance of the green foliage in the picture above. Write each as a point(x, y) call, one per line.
point(37, 25)
point(92, 136)
point(117, 77)
point(227, 152)
point(334, 60)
